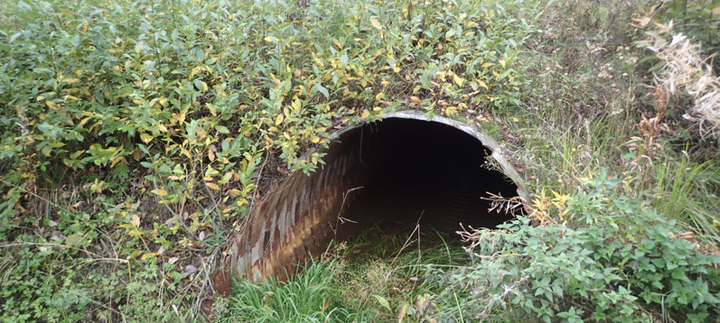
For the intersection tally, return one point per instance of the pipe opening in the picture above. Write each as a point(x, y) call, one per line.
point(382, 174)
point(421, 171)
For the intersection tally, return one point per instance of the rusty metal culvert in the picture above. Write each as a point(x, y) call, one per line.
point(396, 169)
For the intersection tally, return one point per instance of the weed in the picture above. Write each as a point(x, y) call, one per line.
point(621, 262)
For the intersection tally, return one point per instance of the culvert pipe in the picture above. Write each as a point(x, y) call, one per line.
point(404, 168)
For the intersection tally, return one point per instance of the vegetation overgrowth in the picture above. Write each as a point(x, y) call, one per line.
point(137, 134)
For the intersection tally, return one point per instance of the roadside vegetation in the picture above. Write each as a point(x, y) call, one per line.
point(136, 136)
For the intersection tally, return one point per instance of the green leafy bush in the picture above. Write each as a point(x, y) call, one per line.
point(624, 263)
point(190, 91)
point(175, 105)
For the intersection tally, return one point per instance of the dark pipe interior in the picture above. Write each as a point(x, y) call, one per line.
point(422, 168)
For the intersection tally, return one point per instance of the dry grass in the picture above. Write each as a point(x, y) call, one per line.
point(685, 69)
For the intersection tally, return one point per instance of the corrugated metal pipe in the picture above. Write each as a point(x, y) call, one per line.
point(400, 168)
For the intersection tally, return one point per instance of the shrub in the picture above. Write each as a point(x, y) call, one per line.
point(623, 263)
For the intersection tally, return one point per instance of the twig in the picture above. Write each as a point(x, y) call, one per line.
point(339, 217)
point(407, 241)
point(177, 313)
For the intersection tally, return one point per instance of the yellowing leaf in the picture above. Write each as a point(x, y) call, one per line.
point(137, 154)
point(235, 192)
point(365, 114)
point(226, 177)
point(376, 23)
point(212, 186)
point(279, 119)
point(117, 160)
point(135, 233)
point(338, 44)
point(296, 104)
point(135, 220)
point(160, 192)
point(194, 71)
point(458, 80)
point(502, 62)
point(483, 84)
point(148, 255)
point(146, 138)
point(51, 105)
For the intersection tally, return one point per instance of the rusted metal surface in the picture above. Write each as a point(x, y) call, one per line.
point(300, 218)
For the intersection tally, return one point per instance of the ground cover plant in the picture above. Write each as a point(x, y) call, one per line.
point(394, 276)
point(136, 135)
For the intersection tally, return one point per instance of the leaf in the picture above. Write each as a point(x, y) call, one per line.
point(365, 114)
point(403, 312)
point(280, 119)
point(212, 186)
point(458, 80)
point(137, 154)
point(135, 220)
point(297, 104)
point(13, 37)
point(376, 23)
point(483, 85)
point(324, 91)
point(51, 105)
point(117, 160)
point(148, 255)
point(146, 138)
point(74, 239)
point(222, 129)
point(235, 192)
point(160, 192)
point(383, 302)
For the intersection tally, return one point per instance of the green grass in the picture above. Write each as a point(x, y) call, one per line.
point(398, 277)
